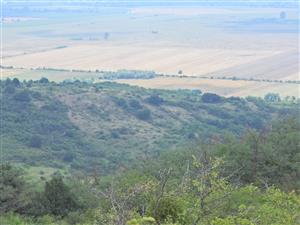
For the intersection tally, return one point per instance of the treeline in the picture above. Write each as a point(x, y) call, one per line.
point(100, 74)
point(251, 180)
point(180, 75)
point(139, 74)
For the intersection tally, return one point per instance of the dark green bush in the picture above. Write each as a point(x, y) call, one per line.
point(211, 98)
point(144, 114)
point(155, 100)
point(22, 96)
point(35, 142)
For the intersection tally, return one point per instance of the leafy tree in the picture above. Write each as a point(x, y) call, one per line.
point(272, 97)
point(12, 189)
point(44, 80)
point(209, 188)
point(169, 208)
point(265, 158)
point(155, 100)
point(135, 104)
point(270, 207)
point(121, 103)
point(15, 82)
point(57, 197)
point(69, 157)
point(144, 114)
point(7, 81)
point(10, 89)
point(36, 142)
point(22, 96)
point(141, 221)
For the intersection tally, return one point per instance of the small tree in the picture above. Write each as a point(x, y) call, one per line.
point(144, 114)
point(16, 82)
point(209, 188)
point(135, 104)
point(44, 80)
point(155, 100)
point(169, 208)
point(35, 142)
point(12, 189)
point(22, 96)
point(272, 97)
point(58, 199)
point(282, 15)
point(211, 98)
point(10, 89)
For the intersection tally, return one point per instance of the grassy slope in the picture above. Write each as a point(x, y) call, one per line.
point(107, 126)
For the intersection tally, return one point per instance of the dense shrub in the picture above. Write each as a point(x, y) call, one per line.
point(22, 96)
point(69, 157)
point(57, 197)
point(168, 208)
point(35, 142)
point(155, 100)
point(272, 97)
point(144, 114)
point(44, 80)
point(211, 98)
point(10, 89)
point(121, 102)
point(15, 82)
point(12, 188)
point(135, 104)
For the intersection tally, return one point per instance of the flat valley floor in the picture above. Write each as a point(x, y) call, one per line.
point(246, 43)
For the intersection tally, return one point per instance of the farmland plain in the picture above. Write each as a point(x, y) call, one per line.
point(203, 42)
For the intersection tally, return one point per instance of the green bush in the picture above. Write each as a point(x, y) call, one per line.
point(22, 96)
point(211, 98)
point(144, 114)
point(168, 208)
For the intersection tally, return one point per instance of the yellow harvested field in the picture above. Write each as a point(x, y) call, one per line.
point(221, 87)
point(196, 11)
point(242, 42)
point(168, 60)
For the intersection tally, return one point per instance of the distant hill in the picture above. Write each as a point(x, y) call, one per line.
point(106, 126)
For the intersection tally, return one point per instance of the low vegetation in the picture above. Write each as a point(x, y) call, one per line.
point(253, 180)
point(107, 153)
point(105, 126)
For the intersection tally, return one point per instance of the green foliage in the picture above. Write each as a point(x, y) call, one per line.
point(135, 104)
point(141, 221)
point(76, 124)
point(43, 80)
point(155, 100)
point(169, 208)
point(57, 197)
point(211, 98)
point(9, 89)
point(35, 142)
point(12, 188)
point(271, 207)
point(144, 114)
point(128, 74)
point(22, 96)
point(266, 158)
point(197, 195)
point(272, 97)
point(14, 219)
point(15, 82)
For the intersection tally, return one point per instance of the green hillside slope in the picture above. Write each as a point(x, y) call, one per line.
point(107, 126)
